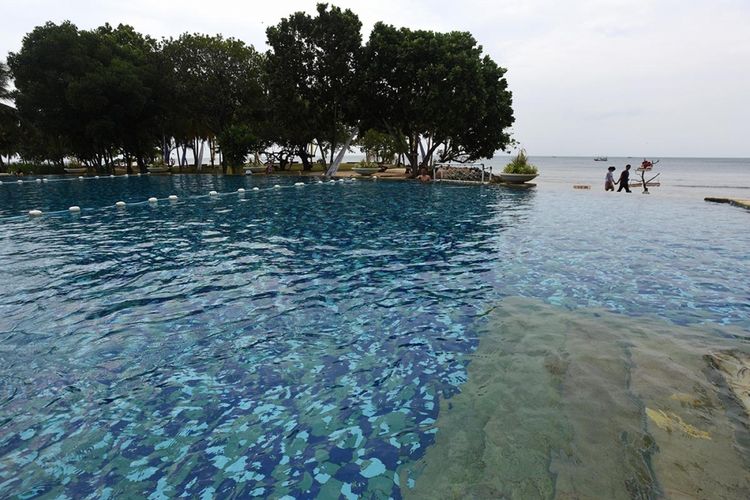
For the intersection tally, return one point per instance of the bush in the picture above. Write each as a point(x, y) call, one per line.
point(520, 165)
point(28, 168)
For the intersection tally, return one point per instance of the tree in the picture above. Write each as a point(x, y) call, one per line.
point(218, 87)
point(9, 127)
point(381, 146)
point(88, 94)
point(49, 59)
point(142, 103)
point(435, 90)
point(312, 79)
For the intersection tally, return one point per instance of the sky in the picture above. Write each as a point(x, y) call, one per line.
point(589, 77)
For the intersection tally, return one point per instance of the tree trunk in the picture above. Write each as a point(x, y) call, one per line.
point(413, 155)
point(305, 158)
point(198, 152)
point(335, 163)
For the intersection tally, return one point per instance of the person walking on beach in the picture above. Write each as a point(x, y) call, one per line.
point(609, 181)
point(623, 181)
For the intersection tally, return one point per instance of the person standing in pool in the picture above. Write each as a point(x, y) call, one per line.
point(609, 181)
point(423, 175)
point(623, 181)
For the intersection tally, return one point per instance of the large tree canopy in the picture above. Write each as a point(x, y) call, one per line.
point(218, 90)
point(87, 93)
point(111, 93)
point(435, 90)
point(312, 77)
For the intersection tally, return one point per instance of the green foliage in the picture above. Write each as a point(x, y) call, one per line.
point(437, 88)
point(109, 93)
point(236, 142)
point(32, 168)
point(9, 126)
point(312, 77)
point(520, 165)
point(381, 146)
point(86, 93)
point(4, 82)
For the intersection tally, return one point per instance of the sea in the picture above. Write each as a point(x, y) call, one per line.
point(677, 176)
point(683, 177)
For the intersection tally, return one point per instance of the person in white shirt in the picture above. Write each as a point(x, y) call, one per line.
point(609, 181)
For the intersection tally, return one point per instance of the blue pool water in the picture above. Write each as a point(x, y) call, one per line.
point(297, 340)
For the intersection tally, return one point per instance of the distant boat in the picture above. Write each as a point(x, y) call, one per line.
point(75, 170)
point(600, 158)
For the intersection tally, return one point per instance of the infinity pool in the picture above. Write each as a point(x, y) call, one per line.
point(303, 341)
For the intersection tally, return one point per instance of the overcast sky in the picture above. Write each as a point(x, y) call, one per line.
point(589, 77)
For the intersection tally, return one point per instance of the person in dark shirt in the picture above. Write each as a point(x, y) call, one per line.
point(624, 178)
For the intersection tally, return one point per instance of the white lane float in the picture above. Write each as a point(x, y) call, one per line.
point(276, 186)
point(126, 175)
point(241, 190)
point(74, 209)
point(299, 183)
point(332, 181)
point(120, 204)
point(80, 177)
point(172, 197)
point(1, 183)
point(39, 181)
point(153, 200)
point(212, 193)
point(19, 181)
point(256, 188)
point(138, 174)
point(96, 177)
point(45, 180)
point(35, 213)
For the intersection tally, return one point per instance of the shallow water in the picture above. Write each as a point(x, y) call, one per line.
point(590, 404)
point(297, 340)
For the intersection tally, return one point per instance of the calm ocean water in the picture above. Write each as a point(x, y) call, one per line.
point(692, 177)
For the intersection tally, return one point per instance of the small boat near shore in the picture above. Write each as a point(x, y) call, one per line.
point(601, 158)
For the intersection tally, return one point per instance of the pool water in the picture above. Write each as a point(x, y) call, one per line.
point(298, 340)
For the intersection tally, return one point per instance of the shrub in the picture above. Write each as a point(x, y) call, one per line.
point(520, 165)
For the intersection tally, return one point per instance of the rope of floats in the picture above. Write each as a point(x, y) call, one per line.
point(75, 209)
